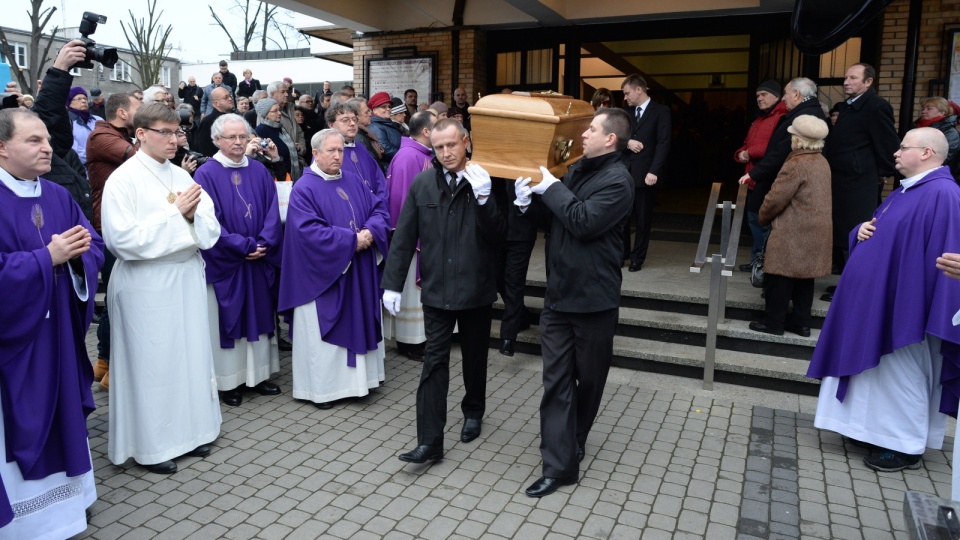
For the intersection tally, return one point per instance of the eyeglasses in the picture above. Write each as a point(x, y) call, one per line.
point(240, 138)
point(904, 148)
point(347, 120)
point(162, 132)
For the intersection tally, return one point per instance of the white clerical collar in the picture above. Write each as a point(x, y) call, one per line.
point(325, 176)
point(150, 162)
point(21, 188)
point(907, 183)
point(349, 144)
point(229, 163)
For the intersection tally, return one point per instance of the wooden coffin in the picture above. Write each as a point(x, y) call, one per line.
point(515, 135)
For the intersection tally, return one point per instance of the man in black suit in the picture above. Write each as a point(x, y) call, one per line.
point(248, 85)
point(191, 94)
point(229, 79)
point(645, 156)
point(584, 213)
point(860, 153)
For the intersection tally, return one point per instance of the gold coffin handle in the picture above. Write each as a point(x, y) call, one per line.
point(561, 149)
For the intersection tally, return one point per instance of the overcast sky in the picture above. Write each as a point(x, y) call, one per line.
point(194, 30)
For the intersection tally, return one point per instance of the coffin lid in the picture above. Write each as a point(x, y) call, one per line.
point(549, 108)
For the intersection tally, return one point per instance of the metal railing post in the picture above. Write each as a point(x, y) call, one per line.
point(713, 314)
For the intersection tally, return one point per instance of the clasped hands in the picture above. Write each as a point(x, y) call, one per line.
point(364, 240)
point(187, 201)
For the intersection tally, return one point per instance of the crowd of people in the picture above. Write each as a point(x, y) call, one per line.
point(391, 233)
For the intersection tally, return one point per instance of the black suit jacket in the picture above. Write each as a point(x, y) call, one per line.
point(247, 90)
point(653, 130)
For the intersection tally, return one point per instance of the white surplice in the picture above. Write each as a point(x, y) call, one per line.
point(320, 371)
point(163, 390)
point(248, 362)
point(407, 326)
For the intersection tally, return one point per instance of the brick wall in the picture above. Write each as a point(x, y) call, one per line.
point(933, 57)
point(473, 69)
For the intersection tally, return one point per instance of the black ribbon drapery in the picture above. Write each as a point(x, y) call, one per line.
point(819, 26)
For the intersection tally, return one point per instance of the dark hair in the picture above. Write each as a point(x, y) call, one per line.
point(600, 96)
point(8, 119)
point(634, 80)
point(617, 122)
point(346, 87)
point(337, 109)
point(408, 90)
point(868, 71)
point(223, 63)
point(447, 122)
point(154, 112)
point(421, 120)
point(116, 102)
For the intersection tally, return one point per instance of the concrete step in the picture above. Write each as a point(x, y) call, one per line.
point(733, 367)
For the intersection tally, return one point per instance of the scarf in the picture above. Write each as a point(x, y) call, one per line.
point(83, 117)
point(927, 123)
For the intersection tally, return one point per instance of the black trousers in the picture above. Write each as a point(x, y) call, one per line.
point(577, 350)
point(103, 329)
point(474, 330)
point(515, 262)
point(780, 291)
point(644, 200)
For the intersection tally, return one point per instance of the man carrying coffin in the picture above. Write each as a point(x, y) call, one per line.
point(336, 234)
point(243, 267)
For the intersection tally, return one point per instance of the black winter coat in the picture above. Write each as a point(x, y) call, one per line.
point(458, 243)
point(585, 218)
point(66, 168)
point(767, 169)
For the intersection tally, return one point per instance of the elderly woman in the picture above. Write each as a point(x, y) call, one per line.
point(81, 120)
point(935, 112)
point(798, 208)
point(269, 127)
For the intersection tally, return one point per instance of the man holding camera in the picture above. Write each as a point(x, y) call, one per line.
point(191, 94)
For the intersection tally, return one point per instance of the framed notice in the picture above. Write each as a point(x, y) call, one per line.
point(953, 44)
point(395, 75)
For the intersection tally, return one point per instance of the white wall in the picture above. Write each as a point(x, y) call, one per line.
point(301, 70)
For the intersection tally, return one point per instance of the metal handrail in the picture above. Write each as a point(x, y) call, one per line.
point(721, 267)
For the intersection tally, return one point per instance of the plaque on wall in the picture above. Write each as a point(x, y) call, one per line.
point(395, 75)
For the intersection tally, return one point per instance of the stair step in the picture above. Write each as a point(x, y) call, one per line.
point(756, 370)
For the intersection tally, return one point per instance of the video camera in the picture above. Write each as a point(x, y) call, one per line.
point(186, 118)
point(105, 55)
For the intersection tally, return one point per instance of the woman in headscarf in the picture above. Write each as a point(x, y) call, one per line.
point(269, 127)
point(81, 120)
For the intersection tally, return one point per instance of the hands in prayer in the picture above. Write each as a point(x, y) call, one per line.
point(188, 200)
point(69, 245)
point(364, 240)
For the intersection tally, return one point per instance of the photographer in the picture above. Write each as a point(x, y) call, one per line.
point(66, 167)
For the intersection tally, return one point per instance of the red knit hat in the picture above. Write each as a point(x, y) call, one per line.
point(378, 99)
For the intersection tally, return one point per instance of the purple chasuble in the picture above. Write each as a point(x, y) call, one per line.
point(358, 161)
point(891, 294)
point(45, 374)
point(412, 159)
point(245, 199)
point(323, 219)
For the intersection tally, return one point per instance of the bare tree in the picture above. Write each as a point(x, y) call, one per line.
point(148, 42)
point(27, 77)
point(249, 23)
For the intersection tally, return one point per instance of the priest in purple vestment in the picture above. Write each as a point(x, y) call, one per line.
point(336, 234)
point(356, 159)
point(242, 268)
point(888, 354)
point(49, 260)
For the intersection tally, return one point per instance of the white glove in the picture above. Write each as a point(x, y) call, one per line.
point(479, 180)
point(391, 301)
point(523, 191)
point(548, 180)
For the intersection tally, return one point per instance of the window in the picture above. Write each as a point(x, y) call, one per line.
point(121, 72)
point(19, 52)
point(534, 67)
point(165, 76)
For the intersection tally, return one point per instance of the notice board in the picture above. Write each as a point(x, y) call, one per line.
point(395, 75)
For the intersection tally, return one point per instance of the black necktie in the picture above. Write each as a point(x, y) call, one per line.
point(639, 113)
point(453, 181)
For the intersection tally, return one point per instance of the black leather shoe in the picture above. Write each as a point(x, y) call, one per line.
point(267, 388)
point(232, 397)
point(506, 347)
point(831, 289)
point(284, 345)
point(635, 267)
point(827, 297)
point(762, 327)
point(201, 451)
point(745, 267)
point(581, 452)
point(166, 467)
point(422, 454)
point(803, 331)
point(325, 405)
point(471, 429)
point(546, 486)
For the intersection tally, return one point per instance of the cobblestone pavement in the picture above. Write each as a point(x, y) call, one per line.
point(659, 464)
